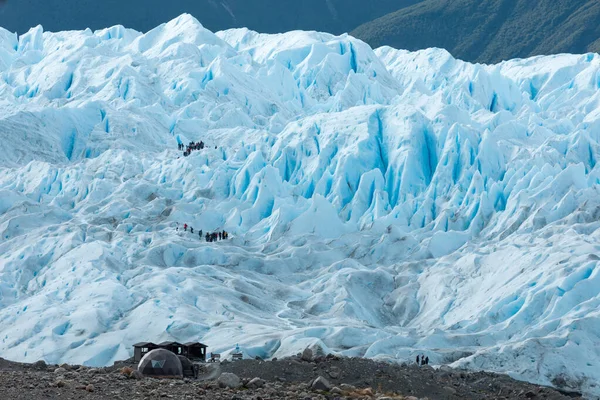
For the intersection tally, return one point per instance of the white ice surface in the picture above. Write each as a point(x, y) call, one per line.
point(381, 203)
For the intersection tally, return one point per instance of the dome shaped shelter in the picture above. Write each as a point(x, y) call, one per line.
point(161, 363)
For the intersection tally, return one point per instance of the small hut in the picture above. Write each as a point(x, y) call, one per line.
point(174, 347)
point(195, 351)
point(141, 349)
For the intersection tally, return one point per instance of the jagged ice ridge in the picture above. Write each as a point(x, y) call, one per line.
point(381, 203)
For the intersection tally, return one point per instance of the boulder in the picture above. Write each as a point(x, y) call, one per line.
point(41, 365)
point(449, 390)
point(347, 388)
point(321, 384)
point(136, 375)
point(229, 380)
point(60, 370)
point(256, 383)
point(446, 368)
point(89, 388)
point(334, 372)
point(307, 355)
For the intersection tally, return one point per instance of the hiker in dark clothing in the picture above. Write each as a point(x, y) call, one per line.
point(207, 238)
point(200, 233)
point(201, 145)
point(418, 359)
point(219, 235)
point(426, 360)
point(191, 229)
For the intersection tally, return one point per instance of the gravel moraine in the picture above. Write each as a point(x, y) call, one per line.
point(291, 378)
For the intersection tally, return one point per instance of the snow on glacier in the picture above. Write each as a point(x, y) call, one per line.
point(381, 203)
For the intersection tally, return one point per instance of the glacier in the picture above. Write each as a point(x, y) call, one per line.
point(381, 203)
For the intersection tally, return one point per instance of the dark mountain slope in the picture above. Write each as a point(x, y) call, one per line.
point(269, 16)
point(490, 30)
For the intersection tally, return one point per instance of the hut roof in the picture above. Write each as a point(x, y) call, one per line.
point(195, 344)
point(144, 344)
point(167, 343)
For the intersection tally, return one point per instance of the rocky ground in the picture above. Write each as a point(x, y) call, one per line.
point(291, 378)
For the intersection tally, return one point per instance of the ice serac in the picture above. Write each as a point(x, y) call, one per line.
point(380, 203)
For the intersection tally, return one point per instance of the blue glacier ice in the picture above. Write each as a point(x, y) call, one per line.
point(381, 203)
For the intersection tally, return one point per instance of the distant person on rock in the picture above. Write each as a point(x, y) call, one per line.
point(418, 359)
point(426, 360)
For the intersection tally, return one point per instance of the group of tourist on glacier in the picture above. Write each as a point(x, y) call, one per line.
point(187, 150)
point(210, 237)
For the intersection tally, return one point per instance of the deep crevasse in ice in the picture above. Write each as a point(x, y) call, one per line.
point(381, 203)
